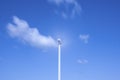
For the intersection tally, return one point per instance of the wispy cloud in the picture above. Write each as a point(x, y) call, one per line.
point(84, 38)
point(82, 61)
point(57, 2)
point(20, 29)
point(64, 15)
point(68, 8)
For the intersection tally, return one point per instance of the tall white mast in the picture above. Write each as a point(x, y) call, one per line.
point(59, 59)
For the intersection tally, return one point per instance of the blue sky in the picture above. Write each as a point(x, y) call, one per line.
point(89, 30)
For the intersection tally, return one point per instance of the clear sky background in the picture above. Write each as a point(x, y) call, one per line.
point(90, 33)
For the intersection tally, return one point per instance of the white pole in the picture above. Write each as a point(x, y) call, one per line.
point(59, 62)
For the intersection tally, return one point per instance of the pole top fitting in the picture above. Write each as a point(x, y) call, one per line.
point(59, 41)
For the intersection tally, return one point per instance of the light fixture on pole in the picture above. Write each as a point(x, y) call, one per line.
point(59, 59)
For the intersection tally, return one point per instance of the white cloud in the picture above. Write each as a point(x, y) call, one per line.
point(82, 61)
point(84, 38)
point(70, 8)
point(20, 29)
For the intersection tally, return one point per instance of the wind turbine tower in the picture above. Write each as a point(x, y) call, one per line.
point(59, 59)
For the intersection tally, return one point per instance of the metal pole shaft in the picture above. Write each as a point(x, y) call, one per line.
point(59, 62)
